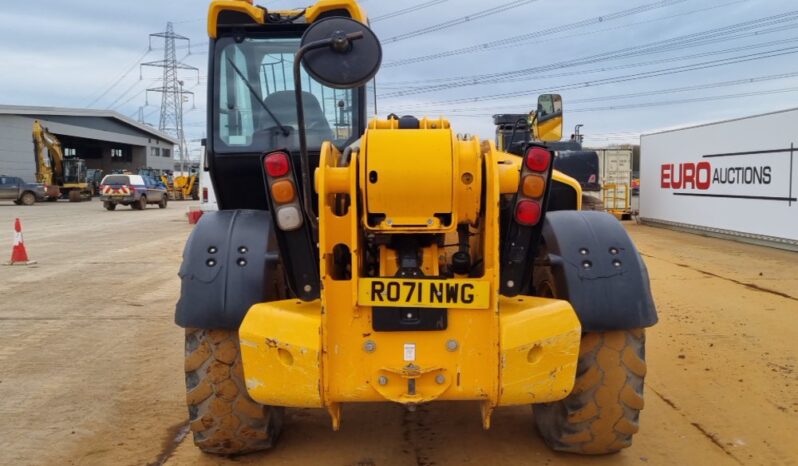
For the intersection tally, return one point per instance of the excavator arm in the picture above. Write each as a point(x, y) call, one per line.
point(48, 154)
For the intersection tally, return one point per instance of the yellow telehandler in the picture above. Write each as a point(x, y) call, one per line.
point(390, 260)
point(187, 186)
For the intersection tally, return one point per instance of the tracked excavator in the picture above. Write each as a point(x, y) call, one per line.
point(389, 260)
point(62, 176)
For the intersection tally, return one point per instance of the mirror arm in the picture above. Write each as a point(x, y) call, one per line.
point(340, 45)
point(512, 135)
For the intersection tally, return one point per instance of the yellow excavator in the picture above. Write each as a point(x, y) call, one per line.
point(61, 176)
point(391, 260)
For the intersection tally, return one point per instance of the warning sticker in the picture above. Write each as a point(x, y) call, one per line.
point(410, 351)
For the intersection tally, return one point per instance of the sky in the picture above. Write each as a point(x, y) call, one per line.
point(623, 67)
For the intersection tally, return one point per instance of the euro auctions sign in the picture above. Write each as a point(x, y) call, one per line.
point(735, 177)
point(702, 176)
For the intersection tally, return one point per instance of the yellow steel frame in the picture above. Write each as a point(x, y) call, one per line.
point(617, 200)
point(258, 14)
point(324, 353)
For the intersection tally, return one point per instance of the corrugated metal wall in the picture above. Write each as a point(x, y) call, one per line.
point(16, 147)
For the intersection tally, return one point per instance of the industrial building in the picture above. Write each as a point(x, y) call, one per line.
point(105, 139)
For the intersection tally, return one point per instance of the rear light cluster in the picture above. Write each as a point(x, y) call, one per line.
point(283, 191)
point(528, 208)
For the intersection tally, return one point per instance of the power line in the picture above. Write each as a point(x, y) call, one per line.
point(120, 78)
point(629, 77)
point(639, 64)
point(714, 85)
point(650, 62)
point(122, 95)
point(519, 39)
point(665, 103)
point(744, 29)
point(457, 21)
point(516, 40)
point(410, 9)
point(114, 107)
point(686, 101)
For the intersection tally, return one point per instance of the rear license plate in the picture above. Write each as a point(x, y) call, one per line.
point(434, 293)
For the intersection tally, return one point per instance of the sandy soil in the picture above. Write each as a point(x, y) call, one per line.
point(91, 362)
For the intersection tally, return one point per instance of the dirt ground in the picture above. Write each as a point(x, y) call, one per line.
point(91, 362)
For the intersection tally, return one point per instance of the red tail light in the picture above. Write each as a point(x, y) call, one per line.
point(276, 164)
point(527, 212)
point(204, 194)
point(538, 159)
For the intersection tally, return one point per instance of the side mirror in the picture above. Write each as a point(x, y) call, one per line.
point(341, 53)
point(547, 119)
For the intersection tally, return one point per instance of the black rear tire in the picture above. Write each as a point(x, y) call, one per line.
point(27, 198)
point(163, 202)
point(109, 205)
point(223, 418)
point(141, 204)
point(602, 412)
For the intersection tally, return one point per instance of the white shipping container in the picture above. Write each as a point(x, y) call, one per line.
point(615, 166)
point(733, 177)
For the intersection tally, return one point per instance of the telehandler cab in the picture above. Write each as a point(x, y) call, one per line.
point(515, 131)
point(390, 260)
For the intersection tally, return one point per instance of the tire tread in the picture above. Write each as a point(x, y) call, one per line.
point(222, 417)
point(601, 414)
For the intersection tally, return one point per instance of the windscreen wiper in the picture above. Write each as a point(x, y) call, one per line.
point(260, 100)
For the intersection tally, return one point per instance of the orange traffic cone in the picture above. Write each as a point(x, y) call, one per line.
point(18, 253)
